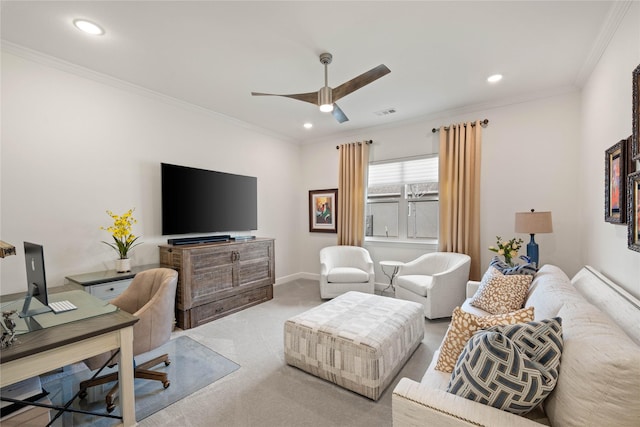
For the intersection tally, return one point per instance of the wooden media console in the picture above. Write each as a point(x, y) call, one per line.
point(217, 279)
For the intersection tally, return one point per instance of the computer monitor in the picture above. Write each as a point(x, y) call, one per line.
point(36, 280)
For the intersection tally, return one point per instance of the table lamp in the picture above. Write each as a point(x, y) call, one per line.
point(533, 223)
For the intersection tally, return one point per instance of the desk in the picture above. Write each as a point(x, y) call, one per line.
point(50, 348)
point(394, 265)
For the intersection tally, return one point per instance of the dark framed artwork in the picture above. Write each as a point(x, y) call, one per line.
point(633, 211)
point(631, 164)
point(635, 144)
point(323, 209)
point(614, 183)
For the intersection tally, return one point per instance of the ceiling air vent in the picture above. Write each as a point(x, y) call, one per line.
point(385, 112)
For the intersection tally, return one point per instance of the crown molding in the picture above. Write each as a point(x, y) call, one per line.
point(616, 14)
point(83, 72)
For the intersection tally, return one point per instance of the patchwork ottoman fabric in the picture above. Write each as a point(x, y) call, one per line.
point(358, 341)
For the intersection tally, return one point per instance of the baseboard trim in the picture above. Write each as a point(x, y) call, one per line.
point(287, 279)
point(379, 286)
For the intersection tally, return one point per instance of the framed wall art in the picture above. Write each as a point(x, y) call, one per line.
point(635, 143)
point(631, 164)
point(633, 211)
point(615, 183)
point(323, 211)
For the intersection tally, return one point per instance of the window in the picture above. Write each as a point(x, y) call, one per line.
point(402, 200)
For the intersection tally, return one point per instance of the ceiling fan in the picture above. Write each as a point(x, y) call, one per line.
point(326, 97)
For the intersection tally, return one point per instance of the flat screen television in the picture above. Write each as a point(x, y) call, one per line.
point(205, 201)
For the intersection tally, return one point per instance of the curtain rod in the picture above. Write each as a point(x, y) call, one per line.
point(365, 142)
point(483, 123)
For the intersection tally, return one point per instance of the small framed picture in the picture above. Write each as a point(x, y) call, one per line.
point(323, 211)
point(633, 211)
point(615, 183)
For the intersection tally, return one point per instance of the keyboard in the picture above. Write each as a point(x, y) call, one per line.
point(61, 306)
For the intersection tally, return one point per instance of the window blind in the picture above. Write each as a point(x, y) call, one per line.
point(404, 171)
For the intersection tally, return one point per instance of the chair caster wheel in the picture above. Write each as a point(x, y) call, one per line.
point(110, 408)
point(166, 384)
point(82, 394)
point(167, 363)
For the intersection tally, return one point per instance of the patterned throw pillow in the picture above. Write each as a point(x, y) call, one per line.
point(491, 271)
point(462, 327)
point(512, 367)
point(499, 293)
point(504, 268)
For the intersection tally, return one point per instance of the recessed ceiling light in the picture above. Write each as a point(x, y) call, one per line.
point(308, 125)
point(88, 27)
point(494, 78)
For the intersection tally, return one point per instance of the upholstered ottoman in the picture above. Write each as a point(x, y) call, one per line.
point(358, 341)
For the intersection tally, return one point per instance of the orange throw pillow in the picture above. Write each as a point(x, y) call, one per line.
point(464, 325)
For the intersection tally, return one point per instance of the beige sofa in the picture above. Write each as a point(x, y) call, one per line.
point(599, 374)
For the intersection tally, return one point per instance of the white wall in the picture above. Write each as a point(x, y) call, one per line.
point(546, 154)
point(73, 147)
point(606, 119)
point(528, 161)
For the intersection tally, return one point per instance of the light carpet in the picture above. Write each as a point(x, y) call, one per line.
point(267, 392)
point(193, 366)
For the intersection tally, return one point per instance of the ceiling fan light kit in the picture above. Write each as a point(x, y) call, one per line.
point(325, 97)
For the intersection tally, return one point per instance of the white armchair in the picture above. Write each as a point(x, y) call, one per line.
point(345, 268)
point(436, 280)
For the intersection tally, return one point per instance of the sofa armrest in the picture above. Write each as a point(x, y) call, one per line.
point(472, 287)
point(415, 404)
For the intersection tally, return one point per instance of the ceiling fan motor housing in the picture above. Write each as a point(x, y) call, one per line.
point(325, 58)
point(324, 99)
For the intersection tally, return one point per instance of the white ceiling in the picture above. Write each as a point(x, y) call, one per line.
point(213, 54)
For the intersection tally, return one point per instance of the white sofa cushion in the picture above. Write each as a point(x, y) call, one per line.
point(550, 289)
point(347, 275)
point(599, 381)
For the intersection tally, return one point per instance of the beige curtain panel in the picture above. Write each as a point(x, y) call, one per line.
point(459, 166)
point(352, 178)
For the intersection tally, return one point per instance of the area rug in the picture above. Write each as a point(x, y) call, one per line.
point(193, 366)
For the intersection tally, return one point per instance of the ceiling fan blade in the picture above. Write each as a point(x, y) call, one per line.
point(338, 114)
point(360, 81)
point(311, 97)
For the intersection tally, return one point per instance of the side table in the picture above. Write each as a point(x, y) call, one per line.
point(393, 267)
point(108, 284)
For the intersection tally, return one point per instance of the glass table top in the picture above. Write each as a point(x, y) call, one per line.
point(87, 306)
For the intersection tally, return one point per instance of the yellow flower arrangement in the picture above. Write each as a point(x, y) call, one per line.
point(124, 239)
point(508, 250)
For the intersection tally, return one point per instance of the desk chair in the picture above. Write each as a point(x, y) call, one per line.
point(151, 298)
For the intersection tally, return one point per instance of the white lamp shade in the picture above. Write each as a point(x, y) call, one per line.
point(533, 222)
